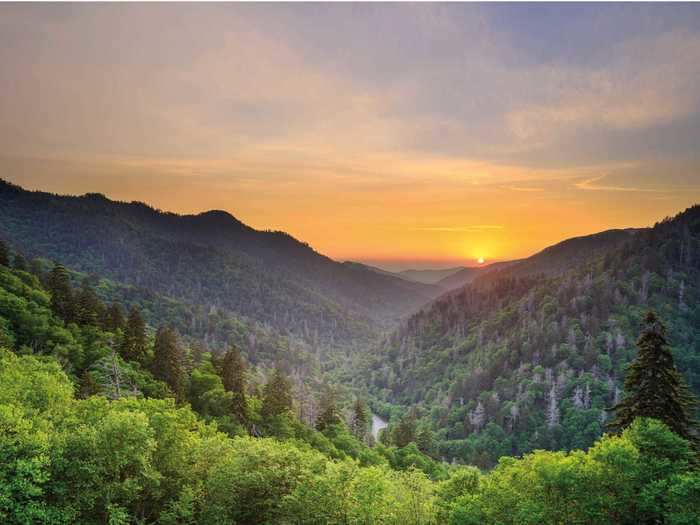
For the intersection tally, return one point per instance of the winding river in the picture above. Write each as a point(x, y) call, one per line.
point(377, 424)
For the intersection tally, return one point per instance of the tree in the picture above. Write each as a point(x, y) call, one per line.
point(426, 441)
point(405, 430)
point(233, 378)
point(277, 395)
point(4, 254)
point(133, 347)
point(114, 318)
point(359, 419)
point(653, 386)
point(62, 302)
point(168, 360)
point(88, 385)
point(88, 305)
point(328, 410)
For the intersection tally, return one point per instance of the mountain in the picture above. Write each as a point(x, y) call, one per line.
point(467, 275)
point(529, 356)
point(429, 276)
point(212, 261)
point(550, 261)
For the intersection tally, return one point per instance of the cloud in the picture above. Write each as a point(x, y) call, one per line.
point(591, 185)
point(647, 82)
point(475, 227)
point(523, 188)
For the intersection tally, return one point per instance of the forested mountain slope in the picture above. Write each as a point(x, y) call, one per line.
point(467, 275)
point(99, 424)
point(512, 363)
point(562, 256)
point(211, 260)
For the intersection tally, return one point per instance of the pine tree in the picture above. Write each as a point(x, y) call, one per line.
point(653, 386)
point(4, 254)
point(114, 318)
point(426, 441)
point(328, 410)
point(168, 360)
point(87, 306)
point(133, 347)
point(62, 301)
point(359, 420)
point(277, 395)
point(233, 378)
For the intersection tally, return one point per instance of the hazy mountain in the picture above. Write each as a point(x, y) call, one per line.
point(467, 275)
point(429, 276)
point(212, 260)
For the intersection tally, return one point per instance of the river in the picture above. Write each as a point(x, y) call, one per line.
point(377, 424)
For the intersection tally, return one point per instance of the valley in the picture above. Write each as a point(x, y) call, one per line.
point(415, 372)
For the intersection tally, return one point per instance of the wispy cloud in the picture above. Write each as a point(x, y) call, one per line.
point(523, 188)
point(592, 185)
point(474, 227)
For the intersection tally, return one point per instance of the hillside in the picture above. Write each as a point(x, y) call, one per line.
point(92, 434)
point(563, 256)
point(528, 357)
point(211, 260)
point(467, 275)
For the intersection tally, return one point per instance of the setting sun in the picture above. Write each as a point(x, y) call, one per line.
point(480, 260)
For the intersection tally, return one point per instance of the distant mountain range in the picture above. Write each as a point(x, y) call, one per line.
point(445, 279)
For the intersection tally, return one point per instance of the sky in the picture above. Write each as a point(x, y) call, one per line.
point(402, 135)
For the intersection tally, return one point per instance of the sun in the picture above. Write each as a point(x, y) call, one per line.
point(480, 260)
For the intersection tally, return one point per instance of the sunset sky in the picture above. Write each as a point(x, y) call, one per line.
point(407, 135)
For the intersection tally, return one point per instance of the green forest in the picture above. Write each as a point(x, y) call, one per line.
point(543, 392)
point(523, 359)
point(105, 420)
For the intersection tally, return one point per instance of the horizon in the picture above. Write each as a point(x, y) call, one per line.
point(394, 265)
point(472, 131)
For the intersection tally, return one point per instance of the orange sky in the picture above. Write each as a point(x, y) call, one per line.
point(412, 220)
point(411, 134)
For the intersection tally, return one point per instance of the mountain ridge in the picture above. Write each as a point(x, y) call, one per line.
point(211, 258)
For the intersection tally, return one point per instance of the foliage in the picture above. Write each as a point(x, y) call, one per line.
point(519, 361)
point(653, 386)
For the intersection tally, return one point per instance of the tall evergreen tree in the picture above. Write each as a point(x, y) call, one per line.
point(277, 395)
point(4, 254)
point(133, 347)
point(425, 440)
point(168, 359)
point(233, 378)
point(114, 318)
point(62, 301)
point(328, 409)
point(653, 386)
point(88, 306)
point(359, 419)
